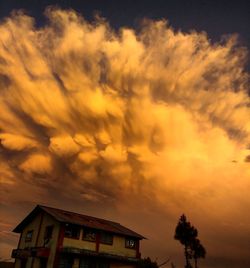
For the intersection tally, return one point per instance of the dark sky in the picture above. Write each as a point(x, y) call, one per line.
point(215, 17)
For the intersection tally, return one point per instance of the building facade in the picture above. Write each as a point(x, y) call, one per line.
point(54, 238)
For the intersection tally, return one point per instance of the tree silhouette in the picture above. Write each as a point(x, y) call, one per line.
point(186, 234)
point(198, 251)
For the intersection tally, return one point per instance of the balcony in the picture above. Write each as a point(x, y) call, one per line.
point(40, 252)
point(90, 253)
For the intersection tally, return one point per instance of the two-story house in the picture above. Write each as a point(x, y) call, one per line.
point(55, 238)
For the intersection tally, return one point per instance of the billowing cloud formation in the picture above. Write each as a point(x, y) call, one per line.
point(149, 124)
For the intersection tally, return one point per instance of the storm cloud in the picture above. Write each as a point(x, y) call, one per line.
point(126, 124)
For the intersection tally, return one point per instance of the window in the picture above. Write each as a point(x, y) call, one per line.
point(89, 235)
point(106, 238)
point(48, 232)
point(130, 243)
point(72, 231)
point(29, 235)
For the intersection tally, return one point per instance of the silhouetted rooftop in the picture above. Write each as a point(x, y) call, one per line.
point(78, 219)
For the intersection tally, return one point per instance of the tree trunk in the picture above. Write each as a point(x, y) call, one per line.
point(186, 256)
point(195, 261)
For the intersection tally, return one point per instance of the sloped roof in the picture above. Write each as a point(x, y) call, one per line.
point(78, 219)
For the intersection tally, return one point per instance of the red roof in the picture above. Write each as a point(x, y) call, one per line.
point(79, 219)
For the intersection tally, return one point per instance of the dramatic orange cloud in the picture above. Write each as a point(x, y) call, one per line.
point(138, 127)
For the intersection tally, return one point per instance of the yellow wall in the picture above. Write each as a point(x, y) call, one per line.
point(48, 220)
point(28, 264)
point(79, 243)
point(34, 225)
point(118, 247)
point(17, 263)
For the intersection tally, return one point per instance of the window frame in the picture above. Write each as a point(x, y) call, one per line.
point(29, 239)
point(85, 230)
point(106, 243)
point(72, 226)
point(130, 239)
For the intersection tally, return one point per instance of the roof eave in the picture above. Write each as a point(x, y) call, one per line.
point(138, 236)
point(19, 228)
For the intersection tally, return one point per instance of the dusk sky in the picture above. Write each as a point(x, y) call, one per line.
point(134, 111)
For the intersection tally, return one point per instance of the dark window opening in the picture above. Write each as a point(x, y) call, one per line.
point(29, 235)
point(89, 235)
point(48, 232)
point(130, 243)
point(106, 238)
point(72, 231)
